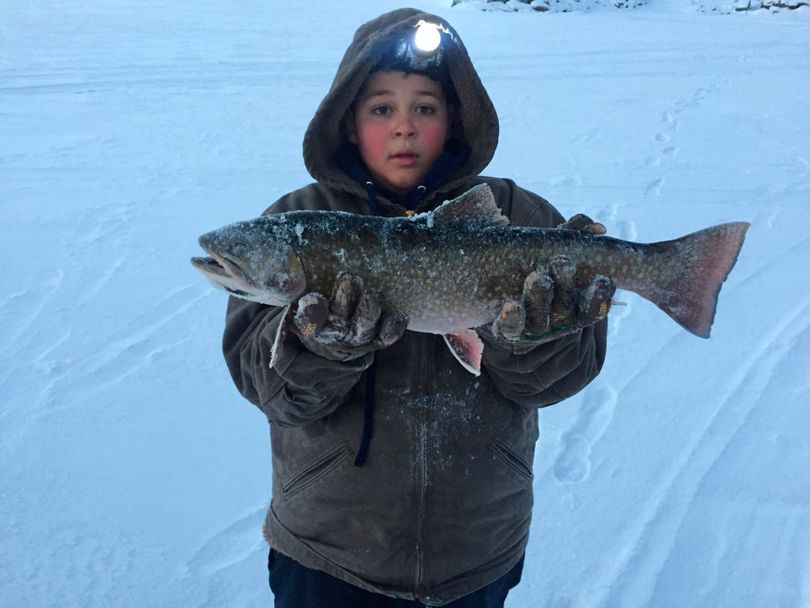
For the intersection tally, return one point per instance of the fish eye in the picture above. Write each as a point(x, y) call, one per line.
point(239, 249)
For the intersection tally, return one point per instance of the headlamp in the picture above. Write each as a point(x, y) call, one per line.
point(427, 38)
point(423, 50)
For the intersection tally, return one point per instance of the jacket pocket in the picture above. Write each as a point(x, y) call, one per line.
point(507, 455)
point(314, 470)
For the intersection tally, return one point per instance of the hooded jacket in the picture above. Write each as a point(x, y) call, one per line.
point(442, 505)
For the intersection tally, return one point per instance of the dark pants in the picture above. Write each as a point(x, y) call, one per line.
point(295, 586)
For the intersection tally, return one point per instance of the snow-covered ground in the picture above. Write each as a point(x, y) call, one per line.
point(133, 474)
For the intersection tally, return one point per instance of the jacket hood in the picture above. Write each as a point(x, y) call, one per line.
point(476, 123)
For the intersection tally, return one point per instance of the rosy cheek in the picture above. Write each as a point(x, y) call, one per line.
point(434, 137)
point(373, 138)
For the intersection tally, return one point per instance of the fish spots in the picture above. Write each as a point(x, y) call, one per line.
point(445, 277)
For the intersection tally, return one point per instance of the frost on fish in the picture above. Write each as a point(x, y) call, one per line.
point(451, 269)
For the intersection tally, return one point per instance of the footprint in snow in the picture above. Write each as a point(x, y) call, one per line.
point(573, 465)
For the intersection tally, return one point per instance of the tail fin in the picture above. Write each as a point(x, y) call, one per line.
point(691, 271)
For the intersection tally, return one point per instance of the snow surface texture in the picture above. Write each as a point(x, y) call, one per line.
point(701, 6)
point(133, 474)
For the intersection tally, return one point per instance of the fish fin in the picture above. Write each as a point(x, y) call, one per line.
point(476, 205)
point(693, 268)
point(282, 331)
point(467, 347)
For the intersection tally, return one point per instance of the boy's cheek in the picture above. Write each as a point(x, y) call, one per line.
point(435, 138)
point(372, 140)
point(439, 135)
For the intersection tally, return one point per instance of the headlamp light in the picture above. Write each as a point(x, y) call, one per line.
point(424, 49)
point(427, 38)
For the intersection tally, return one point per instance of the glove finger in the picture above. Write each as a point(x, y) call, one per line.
point(345, 295)
point(583, 223)
point(511, 321)
point(563, 272)
point(392, 326)
point(311, 314)
point(538, 293)
point(366, 316)
point(595, 300)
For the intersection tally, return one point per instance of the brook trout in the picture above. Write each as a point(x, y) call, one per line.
point(451, 269)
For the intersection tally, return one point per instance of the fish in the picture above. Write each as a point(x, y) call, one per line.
point(451, 269)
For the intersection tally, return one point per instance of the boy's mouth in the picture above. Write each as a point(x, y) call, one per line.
point(405, 157)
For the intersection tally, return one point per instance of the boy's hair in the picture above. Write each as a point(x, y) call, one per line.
point(439, 75)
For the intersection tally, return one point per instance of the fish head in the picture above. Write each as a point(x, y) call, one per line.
point(254, 260)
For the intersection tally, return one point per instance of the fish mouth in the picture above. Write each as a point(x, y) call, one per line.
point(225, 273)
point(209, 266)
point(219, 264)
point(219, 268)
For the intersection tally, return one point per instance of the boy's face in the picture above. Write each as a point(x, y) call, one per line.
point(400, 124)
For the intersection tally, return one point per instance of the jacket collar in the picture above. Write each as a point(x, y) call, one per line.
point(453, 158)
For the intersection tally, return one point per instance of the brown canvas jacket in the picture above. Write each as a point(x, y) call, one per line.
point(443, 503)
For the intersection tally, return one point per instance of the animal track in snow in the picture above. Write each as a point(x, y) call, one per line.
point(672, 123)
point(617, 227)
point(664, 137)
point(654, 187)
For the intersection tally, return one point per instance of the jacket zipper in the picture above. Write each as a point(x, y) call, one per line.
point(421, 462)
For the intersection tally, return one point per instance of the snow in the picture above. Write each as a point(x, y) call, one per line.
point(134, 474)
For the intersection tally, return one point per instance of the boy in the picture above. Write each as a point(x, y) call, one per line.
point(433, 507)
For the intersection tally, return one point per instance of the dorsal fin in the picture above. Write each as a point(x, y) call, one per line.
point(477, 206)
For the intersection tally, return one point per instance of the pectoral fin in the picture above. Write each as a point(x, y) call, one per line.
point(467, 347)
point(281, 333)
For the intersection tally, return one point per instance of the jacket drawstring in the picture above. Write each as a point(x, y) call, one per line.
point(371, 372)
point(372, 198)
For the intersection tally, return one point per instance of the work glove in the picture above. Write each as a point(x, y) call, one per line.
point(552, 304)
point(350, 324)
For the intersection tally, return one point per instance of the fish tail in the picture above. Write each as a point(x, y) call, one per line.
point(691, 270)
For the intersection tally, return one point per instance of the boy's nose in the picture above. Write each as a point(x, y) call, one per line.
point(405, 128)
